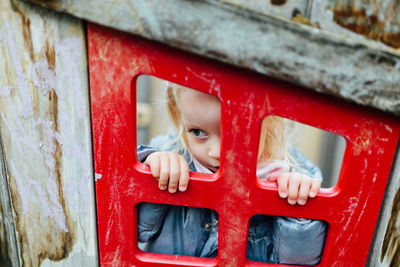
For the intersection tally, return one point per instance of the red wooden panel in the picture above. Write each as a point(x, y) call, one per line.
point(351, 207)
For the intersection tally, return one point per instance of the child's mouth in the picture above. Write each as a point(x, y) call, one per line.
point(213, 169)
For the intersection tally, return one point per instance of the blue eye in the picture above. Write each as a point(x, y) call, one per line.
point(198, 133)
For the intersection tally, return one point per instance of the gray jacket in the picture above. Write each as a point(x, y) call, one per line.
point(180, 230)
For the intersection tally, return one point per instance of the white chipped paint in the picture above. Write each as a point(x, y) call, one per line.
point(357, 222)
point(266, 105)
point(214, 86)
point(116, 260)
point(57, 210)
point(52, 194)
point(22, 83)
point(97, 176)
point(110, 224)
point(354, 203)
point(10, 129)
point(25, 191)
point(19, 135)
point(41, 138)
point(115, 208)
point(5, 90)
point(44, 79)
point(346, 214)
point(69, 51)
point(374, 177)
point(69, 86)
point(83, 191)
point(388, 128)
point(131, 189)
point(41, 193)
point(68, 141)
point(358, 219)
point(48, 144)
point(76, 192)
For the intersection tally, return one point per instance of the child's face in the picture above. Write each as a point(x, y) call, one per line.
point(201, 118)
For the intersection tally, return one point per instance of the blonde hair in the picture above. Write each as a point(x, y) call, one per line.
point(180, 141)
point(272, 128)
point(274, 143)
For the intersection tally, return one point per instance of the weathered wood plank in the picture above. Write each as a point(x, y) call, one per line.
point(378, 20)
point(45, 132)
point(284, 8)
point(8, 244)
point(362, 71)
point(373, 19)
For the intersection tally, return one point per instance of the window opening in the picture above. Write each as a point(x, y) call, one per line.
point(175, 118)
point(307, 149)
point(285, 240)
point(192, 129)
point(180, 230)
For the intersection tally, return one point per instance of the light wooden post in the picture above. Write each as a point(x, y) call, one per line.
point(46, 174)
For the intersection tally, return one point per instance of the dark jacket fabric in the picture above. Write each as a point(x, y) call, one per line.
point(179, 230)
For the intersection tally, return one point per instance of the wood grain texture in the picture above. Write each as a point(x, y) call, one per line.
point(8, 242)
point(283, 8)
point(45, 133)
point(358, 70)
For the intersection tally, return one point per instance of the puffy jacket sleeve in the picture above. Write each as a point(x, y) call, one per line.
point(150, 216)
point(296, 240)
point(150, 220)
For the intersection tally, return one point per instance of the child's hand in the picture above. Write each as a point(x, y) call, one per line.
point(170, 169)
point(296, 187)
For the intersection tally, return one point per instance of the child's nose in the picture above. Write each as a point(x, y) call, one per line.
point(215, 149)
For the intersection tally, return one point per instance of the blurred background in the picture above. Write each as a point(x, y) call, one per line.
point(323, 148)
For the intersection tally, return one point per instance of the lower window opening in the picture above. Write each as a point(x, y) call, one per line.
point(177, 230)
point(286, 240)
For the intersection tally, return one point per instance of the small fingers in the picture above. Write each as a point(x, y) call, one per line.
point(293, 188)
point(174, 172)
point(282, 181)
point(164, 171)
point(297, 187)
point(184, 177)
point(153, 161)
point(315, 186)
point(304, 190)
point(170, 169)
